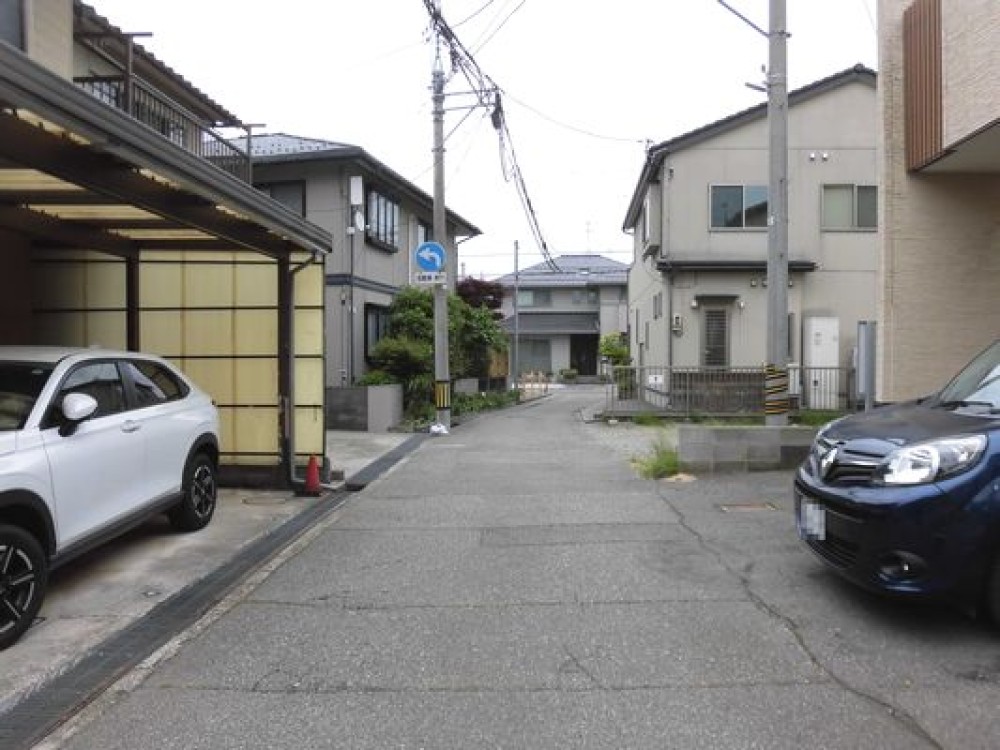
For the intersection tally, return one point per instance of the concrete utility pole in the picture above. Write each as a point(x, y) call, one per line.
point(776, 374)
point(515, 375)
point(442, 377)
point(776, 378)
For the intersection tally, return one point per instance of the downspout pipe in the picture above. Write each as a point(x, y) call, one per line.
point(286, 365)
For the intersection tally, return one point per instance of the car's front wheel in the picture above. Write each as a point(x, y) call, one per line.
point(196, 507)
point(24, 573)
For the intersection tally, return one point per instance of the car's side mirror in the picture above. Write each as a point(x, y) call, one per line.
point(76, 407)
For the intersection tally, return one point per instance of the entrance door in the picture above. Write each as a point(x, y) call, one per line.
point(716, 337)
point(583, 353)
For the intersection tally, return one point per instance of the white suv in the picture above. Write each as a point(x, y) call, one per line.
point(92, 443)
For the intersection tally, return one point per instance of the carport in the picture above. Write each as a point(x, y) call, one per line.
point(113, 233)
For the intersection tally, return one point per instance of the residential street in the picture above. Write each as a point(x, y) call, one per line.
point(515, 584)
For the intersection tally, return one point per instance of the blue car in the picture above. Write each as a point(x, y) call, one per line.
point(905, 499)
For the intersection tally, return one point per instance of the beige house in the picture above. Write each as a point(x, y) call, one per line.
point(560, 314)
point(127, 220)
point(939, 288)
point(698, 215)
point(376, 217)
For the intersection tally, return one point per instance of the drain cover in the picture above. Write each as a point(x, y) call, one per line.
point(264, 499)
point(747, 507)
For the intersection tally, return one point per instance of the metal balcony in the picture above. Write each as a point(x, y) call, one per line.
point(169, 120)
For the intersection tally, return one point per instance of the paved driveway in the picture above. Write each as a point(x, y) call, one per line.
point(515, 584)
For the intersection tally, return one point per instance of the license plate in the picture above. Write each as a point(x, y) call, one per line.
point(812, 520)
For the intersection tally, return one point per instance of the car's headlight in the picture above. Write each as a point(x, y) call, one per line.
point(927, 462)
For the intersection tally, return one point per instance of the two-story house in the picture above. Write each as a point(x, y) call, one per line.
point(376, 218)
point(698, 286)
point(127, 220)
point(940, 140)
point(559, 316)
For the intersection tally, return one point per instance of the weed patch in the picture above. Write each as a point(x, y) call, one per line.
point(660, 463)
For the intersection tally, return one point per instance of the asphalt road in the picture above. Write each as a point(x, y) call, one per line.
point(515, 584)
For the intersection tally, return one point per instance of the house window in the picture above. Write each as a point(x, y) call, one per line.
point(534, 298)
point(12, 23)
point(715, 353)
point(657, 305)
point(383, 220)
point(423, 232)
point(291, 195)
point(849, 207)
point(739, 206)
point(593, 296)
point(376, 327)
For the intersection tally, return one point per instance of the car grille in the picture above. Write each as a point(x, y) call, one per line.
point(838, 552)
point(851, 466)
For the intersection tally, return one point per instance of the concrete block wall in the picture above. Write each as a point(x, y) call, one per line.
point(718, 449)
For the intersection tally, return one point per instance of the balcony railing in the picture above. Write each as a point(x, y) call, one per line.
point(169, 120)
point(723, 391)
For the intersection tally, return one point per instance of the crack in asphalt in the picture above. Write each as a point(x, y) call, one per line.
point(902, 717)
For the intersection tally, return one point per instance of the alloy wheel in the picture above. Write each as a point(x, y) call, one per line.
point(18, 581)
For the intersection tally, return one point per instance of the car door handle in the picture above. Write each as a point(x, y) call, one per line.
point(131, 426)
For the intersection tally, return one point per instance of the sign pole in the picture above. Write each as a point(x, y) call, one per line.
point(442, 377)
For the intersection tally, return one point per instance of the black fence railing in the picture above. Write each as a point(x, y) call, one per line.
point(169, 120)
point(724, 391)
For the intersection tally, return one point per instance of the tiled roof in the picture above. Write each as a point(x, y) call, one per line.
point(271, 144)
point(574, 270)
point(89, 14)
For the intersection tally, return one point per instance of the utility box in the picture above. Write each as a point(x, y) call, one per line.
point(821, 362)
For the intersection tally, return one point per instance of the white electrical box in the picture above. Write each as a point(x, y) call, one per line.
point(821, 362)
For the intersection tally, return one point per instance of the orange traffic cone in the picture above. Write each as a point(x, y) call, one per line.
point(312, 478)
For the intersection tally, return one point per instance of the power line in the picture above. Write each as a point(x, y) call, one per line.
point(484, 42)
point(489, 97)
point(575, 129)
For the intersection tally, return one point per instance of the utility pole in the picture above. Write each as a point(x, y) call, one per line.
point(442, 377)
point(776, 376)
point(776, 373)
point(515, 374)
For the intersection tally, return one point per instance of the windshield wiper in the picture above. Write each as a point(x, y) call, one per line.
point(958, 404)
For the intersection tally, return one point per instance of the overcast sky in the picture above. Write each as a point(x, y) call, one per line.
point(587, 84)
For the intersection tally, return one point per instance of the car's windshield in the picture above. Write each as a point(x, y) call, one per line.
point(978, 383)
point(20, 384)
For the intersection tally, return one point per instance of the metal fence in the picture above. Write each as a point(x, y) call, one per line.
point(722, 391)
point(169, 119)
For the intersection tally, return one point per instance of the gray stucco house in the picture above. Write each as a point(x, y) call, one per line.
point(376, 218)
point(562, 314)
point(698, 217)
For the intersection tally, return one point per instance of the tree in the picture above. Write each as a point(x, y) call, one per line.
point(407, 353)
point(615, 348)
point(479, 293)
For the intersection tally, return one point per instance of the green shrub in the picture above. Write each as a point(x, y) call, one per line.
point(376, 377)
point(471, 403)
point(647, 420)
point(568, 375)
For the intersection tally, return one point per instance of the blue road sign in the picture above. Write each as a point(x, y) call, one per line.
point(430, 257)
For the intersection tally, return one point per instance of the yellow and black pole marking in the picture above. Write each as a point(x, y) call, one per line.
point(775, 390)
point(442, 394)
